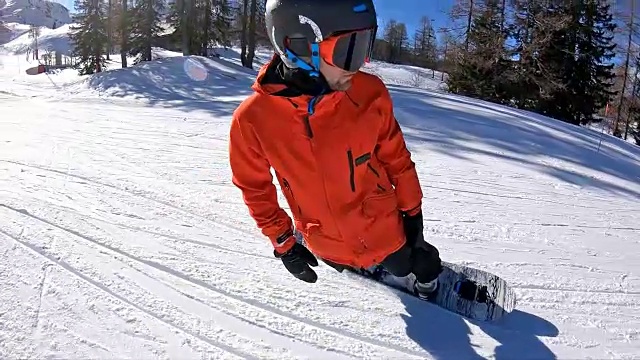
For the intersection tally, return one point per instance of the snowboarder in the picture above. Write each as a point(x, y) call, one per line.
point(328, 131)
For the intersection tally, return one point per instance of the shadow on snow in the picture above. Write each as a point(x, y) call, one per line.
point(187, 83)
point(455, 126)
point(445, 335)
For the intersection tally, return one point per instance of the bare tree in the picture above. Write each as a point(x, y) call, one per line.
point(185, 10)
point(34, 33)
point(631, 28)
point(424, 44)
point(244, 21)
point(252, 29)
point(461, 14)
point(251, 40)
point(396, 37)
point(124, 32)
point(110, 14)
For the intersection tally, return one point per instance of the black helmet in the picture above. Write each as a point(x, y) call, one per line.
point(297, 27)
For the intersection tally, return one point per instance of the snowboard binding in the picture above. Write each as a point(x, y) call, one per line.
point(469, 290)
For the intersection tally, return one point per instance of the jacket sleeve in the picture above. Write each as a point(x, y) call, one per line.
point(396, 159)
point(251, 173)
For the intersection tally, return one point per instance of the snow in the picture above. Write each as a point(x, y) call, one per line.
point(406, 75)
point(53, 40)
point(10, 31)
point(40, 13)
point(605, 126)
point(122, 235)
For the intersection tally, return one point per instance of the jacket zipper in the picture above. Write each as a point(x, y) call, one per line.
point(307, 126)
point(352, 179)
point(306, 119)
point(310, 110)
point(293, 198)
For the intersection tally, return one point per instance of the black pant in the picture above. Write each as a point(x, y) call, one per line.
point(422, 259)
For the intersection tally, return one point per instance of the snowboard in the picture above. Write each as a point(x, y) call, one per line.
point(464, 290)
point(473, 293)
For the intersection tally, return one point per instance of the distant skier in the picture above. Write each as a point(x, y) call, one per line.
point(329, 132)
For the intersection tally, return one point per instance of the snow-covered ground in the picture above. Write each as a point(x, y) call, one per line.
point(121, 235)
point(606, 126)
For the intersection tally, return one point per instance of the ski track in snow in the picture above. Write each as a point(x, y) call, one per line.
point(272, 311)
point(126, 239)
point(169, 271)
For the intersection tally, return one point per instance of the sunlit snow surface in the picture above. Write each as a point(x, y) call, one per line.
point(121, 235)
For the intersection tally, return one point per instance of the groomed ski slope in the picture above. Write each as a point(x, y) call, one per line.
point(121, 235)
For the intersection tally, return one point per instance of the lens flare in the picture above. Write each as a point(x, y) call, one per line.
point(195, 70)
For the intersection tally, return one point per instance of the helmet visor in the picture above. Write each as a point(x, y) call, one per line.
point(348, 51)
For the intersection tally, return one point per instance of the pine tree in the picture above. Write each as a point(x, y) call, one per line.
point(582, 53)
point(213, 24)
point(482, 70)
point(181, 17)
point(145, 27)
point(173, 19)
point(90, 36)
point(598, 44)
point(221, 22)
point(534, 24)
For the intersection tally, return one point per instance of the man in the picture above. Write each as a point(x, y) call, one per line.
point(330, 135)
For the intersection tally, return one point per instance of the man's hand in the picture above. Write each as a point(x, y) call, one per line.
point(298, 260)
point(413, 227)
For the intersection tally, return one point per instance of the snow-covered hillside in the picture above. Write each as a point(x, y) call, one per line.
point(34, 12)
point(54, 40)
point(10, 31)
point(122, 236)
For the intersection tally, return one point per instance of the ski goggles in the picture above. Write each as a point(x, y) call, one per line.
point(348, 51)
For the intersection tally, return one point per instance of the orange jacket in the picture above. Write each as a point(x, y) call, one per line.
point(344, 169)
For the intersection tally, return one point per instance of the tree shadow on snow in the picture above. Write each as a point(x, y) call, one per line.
point(456, 125)
point(188, 83)
point(445, 335)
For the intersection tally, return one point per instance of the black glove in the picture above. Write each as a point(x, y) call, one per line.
point(426, 257)
point(297, 261)
point(413, 228)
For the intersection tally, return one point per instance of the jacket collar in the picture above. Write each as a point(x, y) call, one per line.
point(295, 85)
point(276, 79)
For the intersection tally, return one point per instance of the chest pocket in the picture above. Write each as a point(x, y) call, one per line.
point(366, 172)
point(369, 173)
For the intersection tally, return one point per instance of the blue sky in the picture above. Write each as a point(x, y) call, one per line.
point(410, 12)
point(67, 3)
